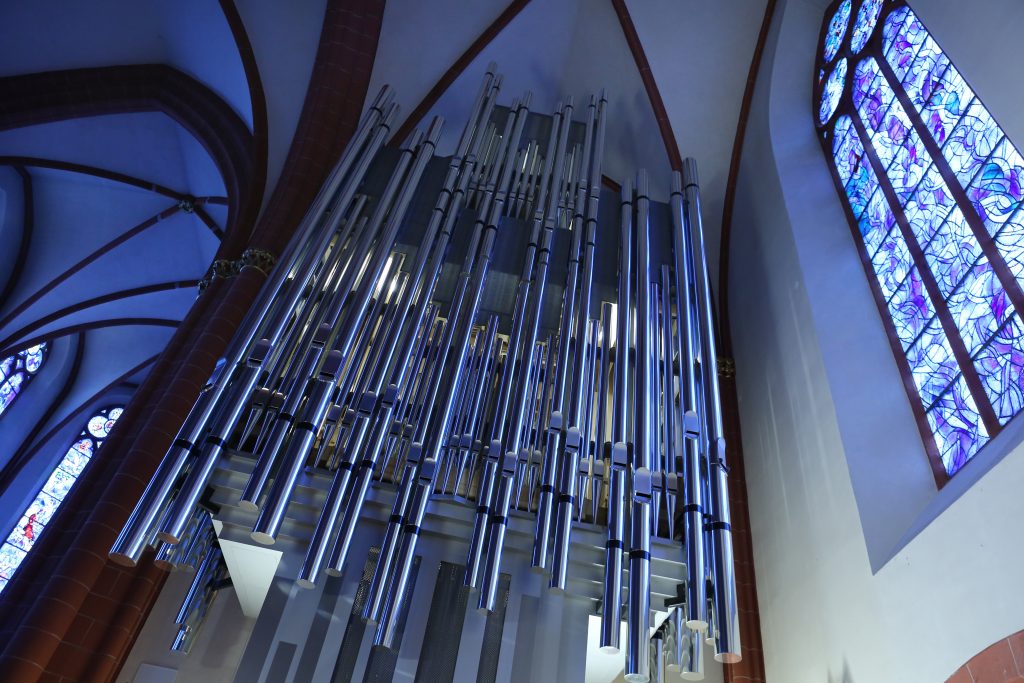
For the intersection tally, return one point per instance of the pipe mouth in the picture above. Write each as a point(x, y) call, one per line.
point(248, 506)
point(123, 559)
point(165, 565)
point(697, 625)
point(672, 667)
point(692, 676)
point(168, 538)
point(331, 571)
point(637, 678)
point(305, 583)
point(609, 649)
point(262, 538)
point(728, 657)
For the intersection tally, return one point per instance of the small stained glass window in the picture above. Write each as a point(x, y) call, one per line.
point(17, 371)
point(935, 193)
point(40, 511)
point(837, 30)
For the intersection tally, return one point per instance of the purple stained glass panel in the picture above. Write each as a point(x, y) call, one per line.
point(911, 309)
point(847, 150)
point(10, 558)
point(932, 363)
point(1010, 243)
point(957, 426)
point(34, 357)
point(836, 30)
point(971, 142)
point(952, 252)
point(996, 191)
point(929, 205)
point(946, 104)
point(832, 91)
point(892, 133)
point(867, 17)
point(1001, 368)
point(10, 388)
point(979, 306)
point(902, 36)
point(876, 222)
point(925, 73)
point(908, 167)
point(892, 262)
point(871, 96)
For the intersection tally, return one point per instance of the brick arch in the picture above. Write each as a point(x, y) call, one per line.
point(1001, 662)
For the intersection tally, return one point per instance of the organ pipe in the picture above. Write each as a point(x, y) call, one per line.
point(363, 363)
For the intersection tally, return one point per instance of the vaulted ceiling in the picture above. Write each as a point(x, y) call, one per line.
point(115, 196)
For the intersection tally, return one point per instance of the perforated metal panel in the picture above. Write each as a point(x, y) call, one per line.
point(380, 668)
point(353, 638)
point(491, 648)
point(440, 649)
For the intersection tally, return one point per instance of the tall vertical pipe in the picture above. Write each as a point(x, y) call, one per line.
point(727, 646)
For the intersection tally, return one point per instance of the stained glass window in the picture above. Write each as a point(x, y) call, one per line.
point(40, 511)
point(935, 193)
point(17, 371)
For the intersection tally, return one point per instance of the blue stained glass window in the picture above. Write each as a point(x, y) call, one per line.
point(40, 511)
point(932, 363)
point(867, 17)
point(17, 371)
point(911, 308)
point(938, 204)
point(1001, 368)
point(832, 92)
point(837, 29)
point(929, 205)
point(956, 423)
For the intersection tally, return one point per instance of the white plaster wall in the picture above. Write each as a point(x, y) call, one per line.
point(822, 406)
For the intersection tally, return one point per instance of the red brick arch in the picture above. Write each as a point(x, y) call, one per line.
point(1001, 662)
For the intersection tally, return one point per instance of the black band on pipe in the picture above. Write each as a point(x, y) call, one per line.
point(547, 488)
point(499, 519)
point(691, 508)
point(412, 529)
point(641, 196)
point(308, 426)
point(216, 440)
point(395, 519)
point(287, 417)
point(714, 526)
point(639, 555)
point(566, 498)
point(184, 443)
point(482, 509)
point(613, 544)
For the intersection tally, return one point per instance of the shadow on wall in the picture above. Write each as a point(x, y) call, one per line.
point(1001, 662)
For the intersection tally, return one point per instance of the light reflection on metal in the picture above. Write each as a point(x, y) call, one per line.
point(361, 361)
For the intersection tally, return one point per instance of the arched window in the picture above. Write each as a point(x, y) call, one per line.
point(16, 371)
point(932, 188)
point(39, 512)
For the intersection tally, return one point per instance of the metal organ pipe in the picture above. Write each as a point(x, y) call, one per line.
point(727, 642)
point(356, 365)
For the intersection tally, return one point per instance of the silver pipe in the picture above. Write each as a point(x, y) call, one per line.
point(657, 654)
point(693, 508)
point(611, 598)
point(727, 646)
point(454, 365)
point(128, 546)
point(638, 622)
